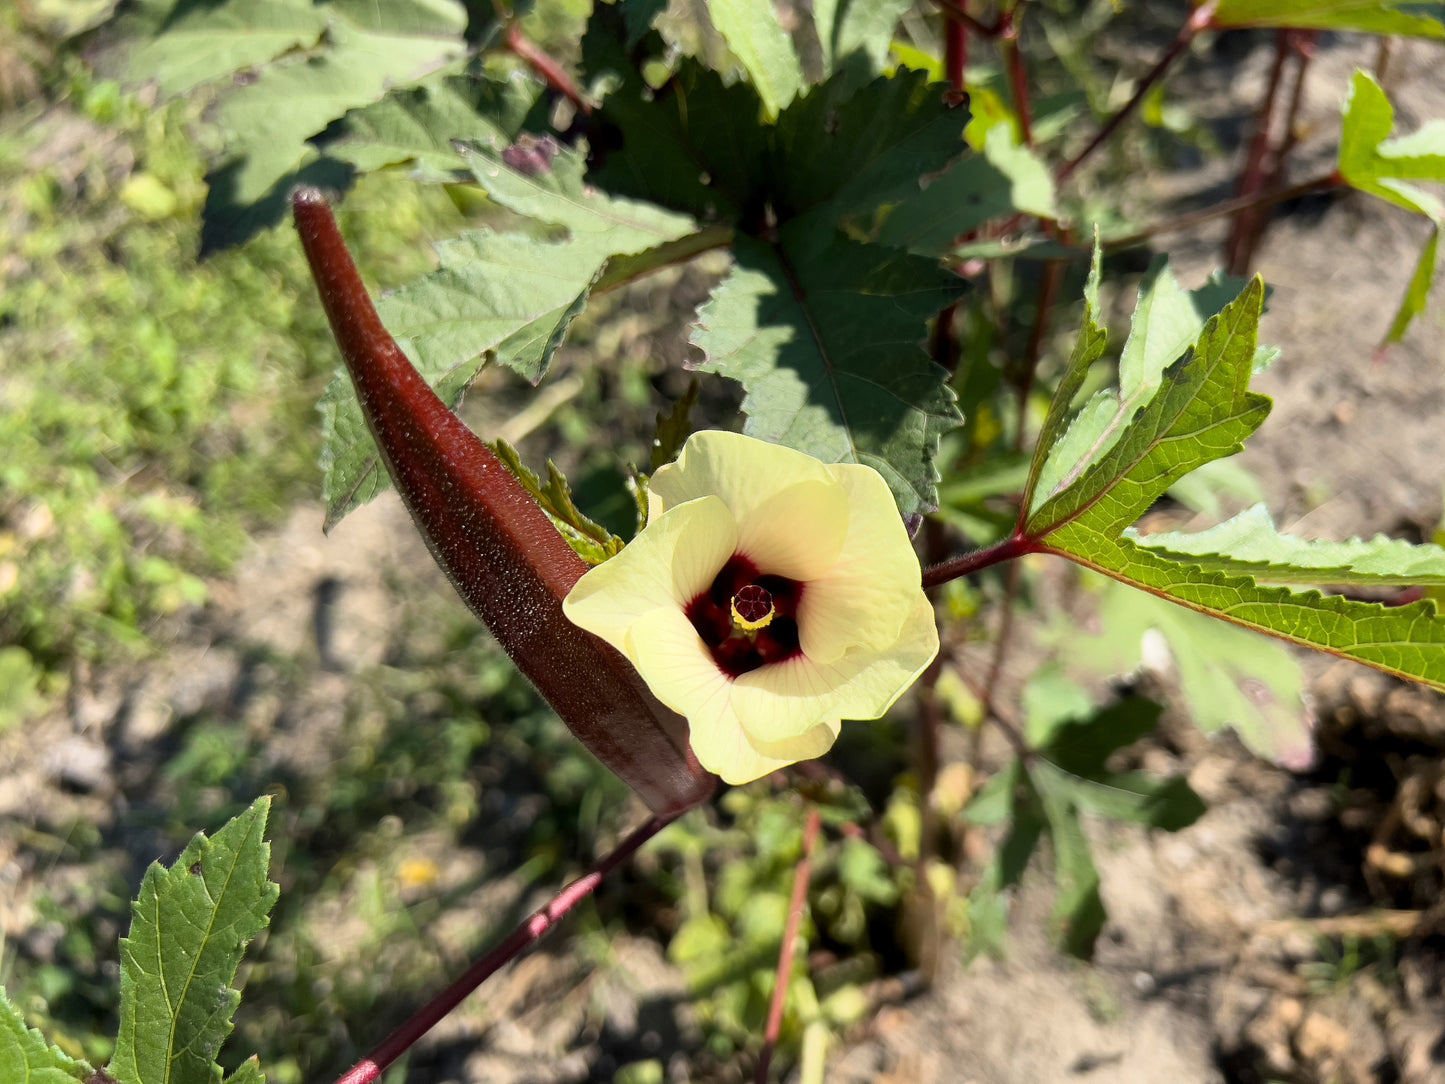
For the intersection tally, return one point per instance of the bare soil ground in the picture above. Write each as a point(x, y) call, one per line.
point(1209, 968)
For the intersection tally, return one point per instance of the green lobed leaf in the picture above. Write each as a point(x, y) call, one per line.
point(638, 17)
point(509, 294)
point(1167, 320)
point(1408, 641)
point(858, 149)
point(1064, 776)
point(1203, 410)
point(825, 335)
point(846, 27)
point(694, 144)
point(1007, 178)
point(368, 47)
point(1251, 545)
point(193, 44)
point(674, 426)
point(1372, 162)
point(1417, 293)
point(1205, 489)
point(1369, 16)
point(752, 31)
point(1078, 908)
point(1231, 679)
point(1008, 797)
point(416, 127)
point(25, 1056)
point(189, 927)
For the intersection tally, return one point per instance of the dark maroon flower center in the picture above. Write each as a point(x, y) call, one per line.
point(747, 619)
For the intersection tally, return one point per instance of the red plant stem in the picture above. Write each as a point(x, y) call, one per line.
point(1251, 177)
point(1000, 646)
point(1016, 545)
point(1198, 21)
point(954, 12)
point(1048, 288)
point(529, 932)
point(495, 544)
point(552, 73)
point(955, 53)
point(1302, 44)
point(1190, 219)
point(796, 906)
point(1013, 62)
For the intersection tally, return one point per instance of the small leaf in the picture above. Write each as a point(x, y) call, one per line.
point(1080, 745)
point(1166, 322)
point(825, 335)
point(248, 1072)
point(674, 427)
point(1202, 411)
point(189, 928)
point(268, 120)
point(26, 1057)
point(1078, 908)
point(846, 27)
point(416, 127)
point(751, 29)
point(1250, 544)
point(1372, 162)
point(987, 904)
point(1369, 16)
point(197, 43)
point(590, 541)
point(1417, 293)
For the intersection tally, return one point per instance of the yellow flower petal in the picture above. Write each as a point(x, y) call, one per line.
point(798, 532)
point(667, 565)
point(782, 701)
point(678, 668)
point(743, 471)
point(872, 587)
point(729, 752)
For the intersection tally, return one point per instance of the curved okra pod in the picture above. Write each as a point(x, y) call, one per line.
point(495, 544)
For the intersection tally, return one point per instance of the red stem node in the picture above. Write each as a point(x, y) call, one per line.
point(495, 544)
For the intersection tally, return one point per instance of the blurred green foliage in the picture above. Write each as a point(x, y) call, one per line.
point(154, 409)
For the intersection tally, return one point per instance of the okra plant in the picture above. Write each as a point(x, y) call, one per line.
point(897, 223)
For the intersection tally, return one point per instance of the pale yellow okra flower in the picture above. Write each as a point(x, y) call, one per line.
point(769, 597)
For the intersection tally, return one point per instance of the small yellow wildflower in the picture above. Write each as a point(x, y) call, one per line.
point(769, 597)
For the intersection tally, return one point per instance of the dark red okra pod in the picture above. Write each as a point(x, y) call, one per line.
point(495, 544)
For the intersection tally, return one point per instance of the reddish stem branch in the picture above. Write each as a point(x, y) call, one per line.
point(1198, 21)
point(796, 906)
point(1237, 246)
point(955, 53)
point(1190, 219)
point(953, 11)
point(399, 1041)
point(544, 65)
point(1048, 288)
point(1013, 62)
point(1016, 545)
